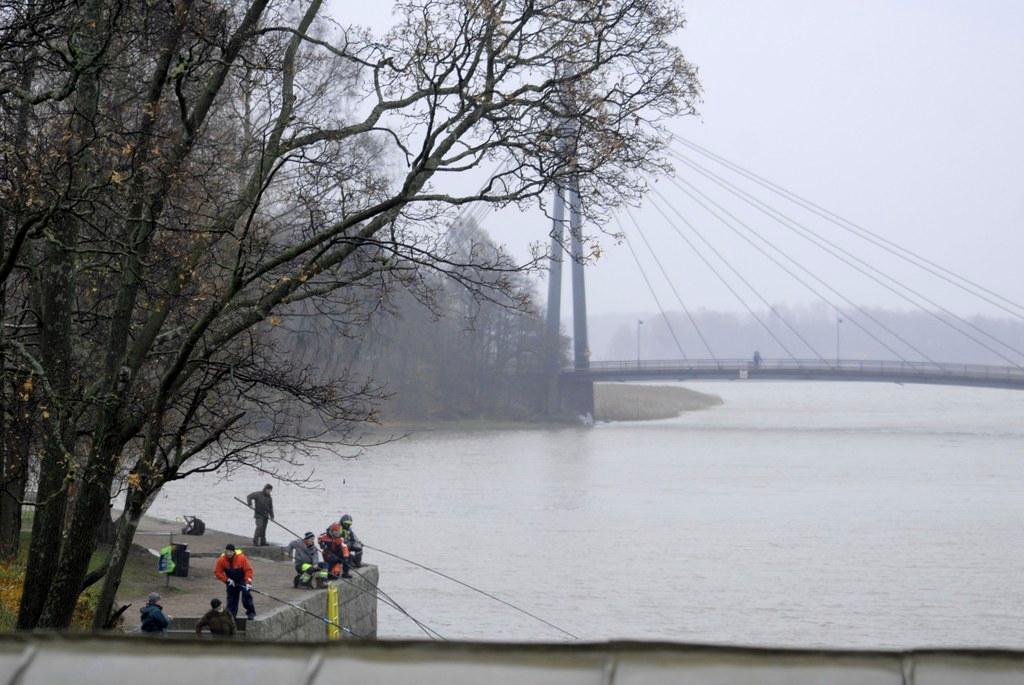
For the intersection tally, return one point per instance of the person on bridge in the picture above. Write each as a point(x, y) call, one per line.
point(220, 622)
point(757, 359)
point(263, 509)
point(355, 545)
point(234, 570)
point(335, 551)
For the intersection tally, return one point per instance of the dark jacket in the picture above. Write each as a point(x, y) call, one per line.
point(219, 623)
point(153, 619)
point(351, 539)
point(262, 503)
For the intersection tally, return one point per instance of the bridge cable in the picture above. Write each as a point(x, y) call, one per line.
point(880, 241)
point(668, 280)
point(650, 288)
point(725, 281)
point(847, 258)
point(797, 227)
point(809, 287)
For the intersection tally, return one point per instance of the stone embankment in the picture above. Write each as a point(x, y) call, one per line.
point(278, 616)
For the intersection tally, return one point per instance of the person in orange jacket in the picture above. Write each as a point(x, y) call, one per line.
point(233, 569)
point(335, 551)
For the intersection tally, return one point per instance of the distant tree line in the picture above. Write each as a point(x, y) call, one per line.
point(439, 350)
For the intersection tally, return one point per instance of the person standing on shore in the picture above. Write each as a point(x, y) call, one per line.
point(220, 622)
point(263, 510)
point(234, 570)
point(154, 620)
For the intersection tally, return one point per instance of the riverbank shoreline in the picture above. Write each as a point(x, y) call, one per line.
point(640, 402)
point(612, 402)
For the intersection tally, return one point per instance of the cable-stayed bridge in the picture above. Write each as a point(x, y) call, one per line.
point(713, 200)
point(880, 371)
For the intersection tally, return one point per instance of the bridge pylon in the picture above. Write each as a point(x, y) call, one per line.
point(567, 396)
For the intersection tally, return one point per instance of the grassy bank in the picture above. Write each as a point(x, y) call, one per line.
point(139, 579)
point(636, 402)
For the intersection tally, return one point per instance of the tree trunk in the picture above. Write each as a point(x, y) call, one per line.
point(15, 478)
point(127, 524)
point(57, 287)
point(91, 505)
point(106, 531)
point(13, 459)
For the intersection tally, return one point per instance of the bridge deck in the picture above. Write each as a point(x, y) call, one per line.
point(864, 370)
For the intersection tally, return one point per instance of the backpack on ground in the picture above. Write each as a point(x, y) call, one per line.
point(193, 526)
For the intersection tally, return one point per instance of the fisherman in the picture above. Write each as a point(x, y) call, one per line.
point(220, 622)
point(335, 551)
point(234, 570)
point(154, 620)
point(304, 552)
point(263, 509)
point(355, 545)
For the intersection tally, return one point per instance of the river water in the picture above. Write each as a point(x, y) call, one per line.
point(796, 514)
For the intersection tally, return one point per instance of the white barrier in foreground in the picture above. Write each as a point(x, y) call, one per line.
point(40, 659)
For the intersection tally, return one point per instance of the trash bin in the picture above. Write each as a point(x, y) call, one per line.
point(180, 557)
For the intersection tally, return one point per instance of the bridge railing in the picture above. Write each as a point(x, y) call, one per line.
point(879, 367)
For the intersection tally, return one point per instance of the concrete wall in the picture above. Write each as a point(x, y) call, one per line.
point(288, 624)
point(357, 612)
point(357, 603)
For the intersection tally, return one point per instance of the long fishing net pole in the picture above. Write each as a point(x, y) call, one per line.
point(474, 589)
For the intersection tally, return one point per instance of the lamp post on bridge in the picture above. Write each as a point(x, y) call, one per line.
point(639, 323)
point(839, 322)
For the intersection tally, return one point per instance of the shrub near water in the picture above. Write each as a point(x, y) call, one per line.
point(12, 575)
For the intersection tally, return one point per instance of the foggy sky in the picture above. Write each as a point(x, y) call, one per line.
point(904, 117)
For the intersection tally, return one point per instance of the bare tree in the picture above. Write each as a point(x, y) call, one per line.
point(200, 167)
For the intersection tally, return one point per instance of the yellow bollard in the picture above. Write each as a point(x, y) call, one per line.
point(333, 614)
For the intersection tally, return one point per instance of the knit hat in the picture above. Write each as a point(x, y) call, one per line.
point(230, 547)
point(153, 597)
point(214, 603)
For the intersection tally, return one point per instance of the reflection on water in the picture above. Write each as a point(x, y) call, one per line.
point(797, 514)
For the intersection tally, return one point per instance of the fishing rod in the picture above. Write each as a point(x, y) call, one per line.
point(307, 611)
point(389, 601)
point(386, 598)
point(475, 589)
point(444, 575)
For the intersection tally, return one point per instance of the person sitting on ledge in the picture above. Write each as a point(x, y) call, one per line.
point(355, 545)
point(335, 551)
point(304, 552)
point(220, 622)
point(154, 620)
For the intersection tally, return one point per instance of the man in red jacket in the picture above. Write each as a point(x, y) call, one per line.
point(233, 569)
point(335, 551)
